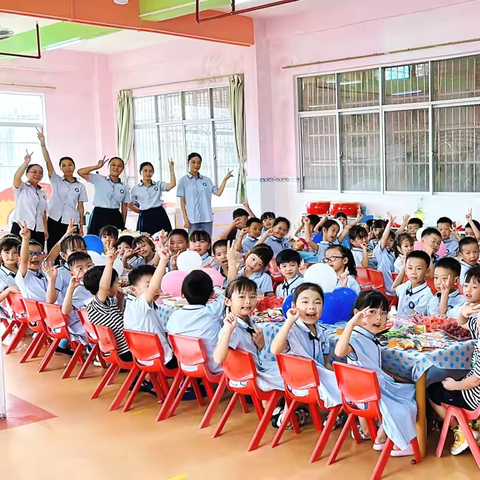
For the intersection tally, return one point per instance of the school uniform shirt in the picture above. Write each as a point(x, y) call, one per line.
point(452, 247)
point(198, 197)
point(200, 321)
point(386, 260)
point(323, 246)
point(206, 258)
point(63, 280)
point(7, 278)
point(268, 377)
point(248, 243)
point(33, 285)
point(146, 197)
point(277, 244)
point(65, 197)
point(108, 315)
point(30, 206)
point(372, 244)
point(135, 262)
point(357, 253)
point(465, 267)
point(288, 287)
point(455, 302)
point(397, 265)
point(351, 283)
point(143, 317)
point(413, 300)
point(262, 279)
point(108, 194)
point(302, 342)
point(472, 396)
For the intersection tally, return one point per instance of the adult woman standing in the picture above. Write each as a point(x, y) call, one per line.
point(147, 200)
point(68, 195)
point(30, 201)
point(195, 192)
point(111, 196)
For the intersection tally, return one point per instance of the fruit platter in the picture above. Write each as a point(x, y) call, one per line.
point(456, 332)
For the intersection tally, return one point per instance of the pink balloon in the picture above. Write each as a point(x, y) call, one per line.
point(442, 250)
point(215, 275)
point(172, 282)
point(418, 246)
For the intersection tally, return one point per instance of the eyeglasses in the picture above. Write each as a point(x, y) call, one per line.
point(37, 254)
point(331, 259)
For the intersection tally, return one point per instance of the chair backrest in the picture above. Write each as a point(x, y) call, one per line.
point(363, 278)
point(145, 347)
point(377, 281)
point(431, 284)
point(190, 354)
point(240, 369)
point(106, 339)
point(32, 310)
point(14, 301)
point(53, 316)
point(91, 333)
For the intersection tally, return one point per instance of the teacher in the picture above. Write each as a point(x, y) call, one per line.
point(147, 200)
point(195, 193)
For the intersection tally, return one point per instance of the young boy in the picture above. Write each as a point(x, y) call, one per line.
point(240, 218)
point(256, 262)
point(141, 312)
point(385, 255)
point(468, 253)
point(330, 231)
point(448, 300)
point(177, 243)
point(463, 393)
point(413, 295)
point(358, 243)
point(288, 263)
point(108, 235)
point(275, 238)
point(413, 225)
point(472, 228)
point(267, 219)
point(444, 226)
point(249, 236)
point(431, 241)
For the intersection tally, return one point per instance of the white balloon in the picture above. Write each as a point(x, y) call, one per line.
point(340, 226)
point(118, 266)
point(188, 261)
point(323, 275)
point(419, 233)
point(97, 259)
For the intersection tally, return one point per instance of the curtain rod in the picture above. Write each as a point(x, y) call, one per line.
point(29, 86)
point(182, 81)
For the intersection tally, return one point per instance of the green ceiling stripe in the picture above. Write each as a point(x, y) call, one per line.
point(175, 8)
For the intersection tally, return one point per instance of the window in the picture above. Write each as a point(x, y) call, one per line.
point(393, 129)
point(20, 115)
point(172, 125)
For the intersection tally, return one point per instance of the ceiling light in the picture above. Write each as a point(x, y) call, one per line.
point(121, 2)
point(64, 44)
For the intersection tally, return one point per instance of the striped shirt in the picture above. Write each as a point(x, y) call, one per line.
point(472, 396)
point(108, 315)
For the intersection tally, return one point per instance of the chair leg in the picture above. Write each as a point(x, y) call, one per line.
point(258, 407)
point(104, 381)
point(317, 421)
point(294, 421)
point(134, 391)
point(372, 429)
point(343, 434)
point(122, 393)
point(212, 407)
point(9, 329)
point(325, 435)
point(416, 451)
point(40, 344)
point(22, 330)
point(77, 355)
point(162, 378)
point(48, 356)
point(91, 357)
point(157, 387)
point(208, 387)
point(244, 404)
point(198, 393)
point(262, 426)
point(187, 382)
point(226, 414)
point(39, 339)
point(288, 415)
point(170, 398)
point(101, 359)
point(382, 461)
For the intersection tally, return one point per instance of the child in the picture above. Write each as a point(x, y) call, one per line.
point(385, 255)
point(404, 246)
point(200, 242)
point(468, 253)
point(275, 238)
point(330, 231)
point(375, 234)
point(240, 331)
point(359, 344)
point(413, 295)
point(177, 243)
point(302, 334)
point(472, 228)
point(444, 226)
point(448, 300)
point(267, 219)
point(431, 241)
point(344, 238)
point(463, 393)
point(141, 253)
point(249, 236)
point(102, 283)
point(413, 225)
point(124, 243)
point(220, 248)
point(358, 244)
point(254, 269)
point(341, 260)
point(141, 312)
point(9, 250)
point(108, 235)
point(240, 218)
point(314, 220)
point(288, 263)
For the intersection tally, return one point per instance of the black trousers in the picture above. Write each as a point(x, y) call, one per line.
point(34, 235)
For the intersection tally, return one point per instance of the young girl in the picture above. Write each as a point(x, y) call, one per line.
point(9, 250)
point(141, 253)
point(240, 331)
point(124, 243)
point(267, 219)
point(275, 238)
point(220, 248)
point(359, 344)
point(404, 246)
point(258, 258)
point(200, 242)
point(341, 260)
point(385, 255)
point(302, 334)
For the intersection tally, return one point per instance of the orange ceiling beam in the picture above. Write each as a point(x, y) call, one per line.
point(235, 30)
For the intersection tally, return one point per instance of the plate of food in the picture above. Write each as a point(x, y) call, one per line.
point(456, 332)
point(175, 302)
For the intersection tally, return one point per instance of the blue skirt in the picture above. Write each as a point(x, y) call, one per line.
point(153, 220)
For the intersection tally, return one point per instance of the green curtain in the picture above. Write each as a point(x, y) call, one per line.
point(125, 132)
point(237, 109)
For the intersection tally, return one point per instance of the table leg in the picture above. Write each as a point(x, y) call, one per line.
point(421, 396)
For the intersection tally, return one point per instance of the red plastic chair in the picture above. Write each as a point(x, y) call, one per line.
point(431, 284)
point(463, 416)
point(301, 375)
point(192, 364)
point(363, 279)
point(56, 328)
point(108, 346)
point(360, 386)
point(146, 347)
point(377, 282)
point(36, 323)
point(92, 340)
point(241, 373)
point(14, 301)
point(277, 277)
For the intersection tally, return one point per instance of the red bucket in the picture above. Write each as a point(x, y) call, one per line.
point(349, 209)
point(318, 208)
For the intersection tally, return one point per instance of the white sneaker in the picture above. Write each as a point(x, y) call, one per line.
point(460, 442)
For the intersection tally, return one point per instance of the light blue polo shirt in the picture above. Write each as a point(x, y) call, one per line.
point(33, 285)
point(386, 261)
point(323, 246)
point(147, 197)
point(206, 258)
point(465, 268)
point(7, 278)
point(455, 302)
point(357, 256)
point(452, 247)
point(277, 245)
point(289, 286)
point(413, 300)
point(108, 194)
point(248, 243)
point(63, 203)
point(63, 280)
point(351, 283)
point(262, 279)
point(198, 197)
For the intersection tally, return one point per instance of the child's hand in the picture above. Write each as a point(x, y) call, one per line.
point(13, 290)
point(74, 282)
point(210, 264)
point(231, 253)
point(164, 254)
point(391, 218)
point(24, 231)
point(469, 216)
point(173, 261)
point(258, 339)
point(129, 253)
point(269, 232)
point(303, 267)
point(230, 322)
point(357, 319)
point(246, 205)
point(72, 228)
point(449, 384)
point(406, 218)
point(443, 287)
point(359, 213)
point(344, 278)
point(50, 271)
point(111, 255)
point(469, 309)
point(244, 232)
point(162, 237)
point(292, 316)
point(371, 235)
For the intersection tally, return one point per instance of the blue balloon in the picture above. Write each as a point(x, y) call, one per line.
point(330, 314)
point(287, 305)
point(317, 238)
point(345, 299)
point(94, 243)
